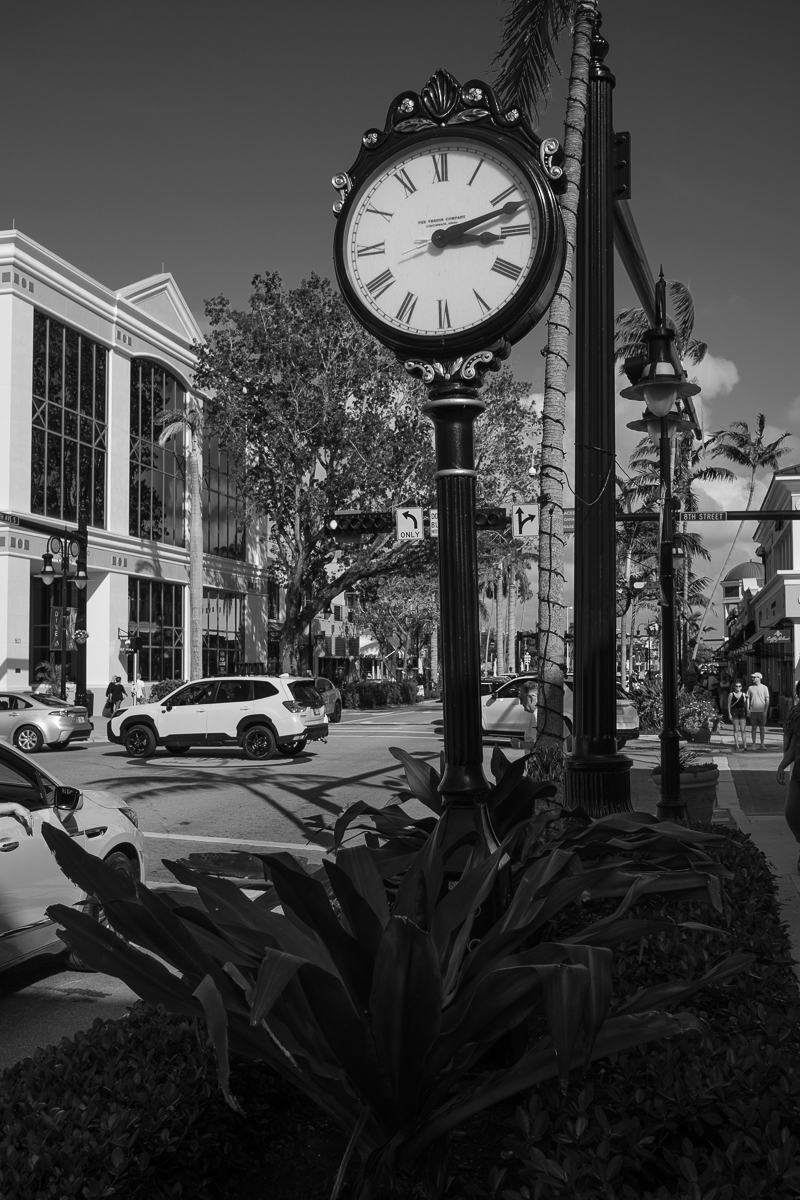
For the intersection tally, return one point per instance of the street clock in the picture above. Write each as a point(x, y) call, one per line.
point(449, 237)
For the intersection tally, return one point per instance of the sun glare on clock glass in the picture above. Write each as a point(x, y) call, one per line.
point(442, 238)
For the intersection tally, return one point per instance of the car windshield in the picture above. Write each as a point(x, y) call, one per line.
point(305, 693)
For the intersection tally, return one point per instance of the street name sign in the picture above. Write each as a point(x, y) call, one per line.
point(523, 520)
point(9, 519)
point(409, 524)
point(433, 528)
point(703, 516)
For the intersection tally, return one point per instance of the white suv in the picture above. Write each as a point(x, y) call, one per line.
point(260, 713)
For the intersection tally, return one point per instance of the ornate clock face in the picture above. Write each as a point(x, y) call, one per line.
point(442, 238)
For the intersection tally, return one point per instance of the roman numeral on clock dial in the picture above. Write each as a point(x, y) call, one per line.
point(481, 301)
point(381, 283)
point(404, 178)
point(379, 213)
point(475, 172)
point(503, 196)
point(444, 314)
point(514, 230)
point(406, 310)
point(378, 248)
point(439, 168)
point(510, 270)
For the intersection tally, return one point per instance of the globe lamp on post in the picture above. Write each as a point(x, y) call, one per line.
point(658, 379)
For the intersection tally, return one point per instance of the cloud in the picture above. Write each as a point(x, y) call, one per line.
point(716, 376)
point(793, 411)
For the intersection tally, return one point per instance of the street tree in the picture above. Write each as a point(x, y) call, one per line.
point(320, 417)
point(749, 450)
point(186, 425)
point(527, 58)
point(401, 612)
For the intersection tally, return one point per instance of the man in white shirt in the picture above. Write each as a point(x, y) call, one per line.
point(757, 705)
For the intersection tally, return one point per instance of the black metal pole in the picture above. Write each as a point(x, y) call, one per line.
point(81, 696)
point(453, 410)
point(64, 584)
point(597, 778)
point(670, 806)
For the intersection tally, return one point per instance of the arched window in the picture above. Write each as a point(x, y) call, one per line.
point(157, 475)
point(68, 446)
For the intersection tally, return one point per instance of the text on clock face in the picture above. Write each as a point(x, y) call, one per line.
point(442, 237)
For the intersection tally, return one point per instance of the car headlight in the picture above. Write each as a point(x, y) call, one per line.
point(131, 815)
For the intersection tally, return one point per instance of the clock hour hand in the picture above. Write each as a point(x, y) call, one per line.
point(445, 237)
point(483, 239)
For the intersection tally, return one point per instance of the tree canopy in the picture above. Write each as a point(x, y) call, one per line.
point(320, 417)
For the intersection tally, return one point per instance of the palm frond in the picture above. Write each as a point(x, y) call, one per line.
point(694, 351)
point(527, 55)
point(683, 307)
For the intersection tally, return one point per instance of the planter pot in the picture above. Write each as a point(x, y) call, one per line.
point(698, 792)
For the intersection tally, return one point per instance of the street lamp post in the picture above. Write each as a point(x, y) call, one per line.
point(70, 548)
point(658, 379)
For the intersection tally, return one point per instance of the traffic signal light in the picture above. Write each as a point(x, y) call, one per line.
point(492, 518)
point(351, 526)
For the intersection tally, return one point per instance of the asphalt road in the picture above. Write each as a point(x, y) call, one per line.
point(209, 800)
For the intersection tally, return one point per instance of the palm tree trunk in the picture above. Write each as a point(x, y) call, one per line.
point(723, 569)
point(551, 479)
point(195, 557)
point(499, 668)
point(512, 620)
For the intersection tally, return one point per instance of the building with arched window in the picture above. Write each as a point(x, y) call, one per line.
point(89, 377)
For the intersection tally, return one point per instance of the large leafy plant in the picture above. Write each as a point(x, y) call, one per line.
point(381, 1004)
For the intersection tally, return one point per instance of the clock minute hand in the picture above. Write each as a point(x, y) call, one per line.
point(443, 237)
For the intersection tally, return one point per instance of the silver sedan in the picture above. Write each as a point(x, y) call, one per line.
point(31, 720)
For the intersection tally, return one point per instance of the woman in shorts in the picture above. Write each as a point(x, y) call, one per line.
point(737, 712)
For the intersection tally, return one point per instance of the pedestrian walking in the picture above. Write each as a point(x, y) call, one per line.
point(138, 690)
point(791, 740)
point(737, 714)
point(757, 705)
point(115, 694)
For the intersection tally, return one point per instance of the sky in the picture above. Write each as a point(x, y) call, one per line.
point(204, 137)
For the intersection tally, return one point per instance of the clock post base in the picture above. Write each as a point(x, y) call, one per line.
point(599, 783)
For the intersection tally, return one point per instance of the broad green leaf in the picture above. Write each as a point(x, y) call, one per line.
point(109, 954)
point(678, 990)
point(462, 900)
point(601, 934)
point(86, 871)
point(405, 1007)
point(223, 900)
point(362, 922)
point(597, 961)
point(565, 993)
point(307, 899)
point(500, 1001)
point(427, 865)
point(274, 973)
point(499, 764)
point(359, 864)
point(423, 781)
point(349, 1040)
point(217, 1021)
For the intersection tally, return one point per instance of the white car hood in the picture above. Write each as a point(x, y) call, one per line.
point(104, 799)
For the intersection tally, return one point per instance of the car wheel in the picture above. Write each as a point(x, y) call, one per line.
point(258, 743)
point(292, 751)
point(336, 715)
point(177, 749)
point(119, 862)
point(28, 739)
point(140, 742)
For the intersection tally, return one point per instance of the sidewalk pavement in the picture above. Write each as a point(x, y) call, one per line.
point(749, 797)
